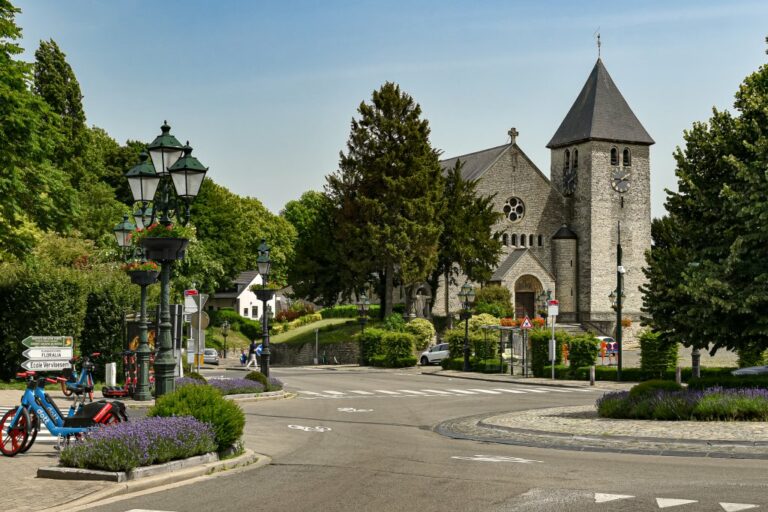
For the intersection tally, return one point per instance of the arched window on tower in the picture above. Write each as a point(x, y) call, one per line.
point(522, 240)
point(626, 158)
point(505, 239)
point(567, 161)
point(530, 240)
point(514, 240)
point(540, 240)
point(614, 156)
point(575, 159)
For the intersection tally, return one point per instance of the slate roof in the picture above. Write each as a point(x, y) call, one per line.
point(501, 270)
point(600, 112)
point(475, 164)
point(246, 277)
point(564, 233)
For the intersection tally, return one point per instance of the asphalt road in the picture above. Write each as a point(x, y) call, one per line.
point(376, 451)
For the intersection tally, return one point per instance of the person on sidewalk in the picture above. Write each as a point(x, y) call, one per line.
point(252, 357)
point(243, 357)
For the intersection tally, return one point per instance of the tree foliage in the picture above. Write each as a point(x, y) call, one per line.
point(708, 269)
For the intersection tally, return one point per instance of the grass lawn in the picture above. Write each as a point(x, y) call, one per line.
point(332, 330)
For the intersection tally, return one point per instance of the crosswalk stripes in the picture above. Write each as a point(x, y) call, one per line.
point(43, 436)
point(448, 392)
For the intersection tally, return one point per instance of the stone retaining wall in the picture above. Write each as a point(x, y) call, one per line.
point(293, 355)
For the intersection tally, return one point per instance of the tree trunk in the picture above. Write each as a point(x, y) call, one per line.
point(389, 280)
point(447, 292)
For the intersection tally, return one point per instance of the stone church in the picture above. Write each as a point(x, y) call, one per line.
point(559, 232)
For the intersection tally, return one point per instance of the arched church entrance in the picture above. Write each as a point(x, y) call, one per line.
point(527, 289)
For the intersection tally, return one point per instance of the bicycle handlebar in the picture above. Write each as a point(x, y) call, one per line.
point(24, 375)
point(51, 381)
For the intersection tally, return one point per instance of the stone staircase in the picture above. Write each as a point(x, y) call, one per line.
point(572, 329)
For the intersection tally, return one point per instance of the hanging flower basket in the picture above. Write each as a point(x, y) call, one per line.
point(264, 294)
point(164, 248)
point(143, 277)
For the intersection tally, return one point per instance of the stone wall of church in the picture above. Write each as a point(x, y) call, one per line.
point(565, 257)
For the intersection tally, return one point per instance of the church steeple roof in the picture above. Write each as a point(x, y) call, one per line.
point(600, 112)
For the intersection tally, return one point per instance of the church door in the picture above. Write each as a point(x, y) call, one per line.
point(524, 304)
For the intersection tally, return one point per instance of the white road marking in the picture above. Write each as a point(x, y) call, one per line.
point(462, 392)
point(556, 390)
point(735, 507)
point(335, 393)
point(604, 498)
point(310, 429)
point(412, 392)
point(672, 502)
point(505, 390)
point(531, 390)
point(486, 391)
point(310, 393)
point(386, 392)
point(146, 510)
point(437, 391)
point(360, 392)
point(352, 409)
point(495, 458)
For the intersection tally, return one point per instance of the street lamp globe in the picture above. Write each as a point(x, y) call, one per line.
point(363, 305)
point(123, 232)
point(143, 180)
point(165, 150)
point(187, 174)
point(142, 216)
point(262, 262)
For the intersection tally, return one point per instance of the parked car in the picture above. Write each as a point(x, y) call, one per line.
point(752, 370)
point(434, 354)
point(210, 356)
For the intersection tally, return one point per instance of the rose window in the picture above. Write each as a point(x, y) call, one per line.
point(514, 209)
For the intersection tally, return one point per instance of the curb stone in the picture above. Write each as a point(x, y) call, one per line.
point(249, 458)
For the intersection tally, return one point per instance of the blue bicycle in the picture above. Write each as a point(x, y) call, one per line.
point(20, 425)
point(83, 378)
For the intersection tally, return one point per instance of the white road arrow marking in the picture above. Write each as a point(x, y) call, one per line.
point(604, 498)
point(735, 507)
point(495, 458)
point(437, 391)
point(412, 392)
point(462, 392)
point(352, 409)
point(310, 429)
point(360, 392)
point(672, 502)
point(386, 392)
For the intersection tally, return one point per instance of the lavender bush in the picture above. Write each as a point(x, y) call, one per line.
point(275, 384)
point(188, 381)
point(236, 386)
point(147, 441)
point(708, 405)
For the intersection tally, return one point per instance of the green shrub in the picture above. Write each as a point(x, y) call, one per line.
point(258, 377)
point(656, 353)
point(539, 353)
point(485, 345)
point(206, 404)
point(582, 351)
point(394, 322)
point(494, 300)
point(649, 387)
point(756, 355)
point(396, 346)
point(349, 311)
point(476, 322)
point(613, 405)
point(561, 371)
point(382, 361)
point(371, 343)
point(452, 363)
point(730, 407)
point(423, 331)
point(378, 360)
point(488, 366)
point(249, 328)
point(728, 381)
point(196, 376)
point(455, 340)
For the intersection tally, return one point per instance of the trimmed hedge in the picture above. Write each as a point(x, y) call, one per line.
point(475, 365)
point(608, 373)
point(657, 355)
point(539, 353)
point(582, 350)
point(650, 387)
point(381, 361)
point(251, 329)
point(728, 381)
point(455, 340)
point(370, 340)
point(423, 331)
point(396, 346)
point(349, 311)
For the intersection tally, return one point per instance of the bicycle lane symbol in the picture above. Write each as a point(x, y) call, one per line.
point(310, 429)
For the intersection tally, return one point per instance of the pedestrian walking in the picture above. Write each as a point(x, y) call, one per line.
point(243, 357)
point(252, 358)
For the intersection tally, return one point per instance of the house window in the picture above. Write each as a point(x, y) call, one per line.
point(575, 159)
point(614, 156)
point(540, 240)
point(245, 312)
point(514, 240)
point(567, 161)
point(626, 158)
point(530, 240)
point(505, 239)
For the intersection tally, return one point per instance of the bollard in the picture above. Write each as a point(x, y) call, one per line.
point(111, 374)
point(592, 375)
point(678, 375)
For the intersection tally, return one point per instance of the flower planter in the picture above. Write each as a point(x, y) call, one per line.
point(143, 277)
point(265, 294)
point(164, 249)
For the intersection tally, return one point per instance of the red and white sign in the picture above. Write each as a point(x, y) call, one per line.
point(190, 306)
point(553, 307)
point(526, 323)
point(190, 293)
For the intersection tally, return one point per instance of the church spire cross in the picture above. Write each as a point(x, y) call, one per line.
point(598, 43)
point(513, 133)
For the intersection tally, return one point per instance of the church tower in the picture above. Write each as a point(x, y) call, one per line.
point(600, 164)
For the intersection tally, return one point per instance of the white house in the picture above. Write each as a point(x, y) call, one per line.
point(240, 298)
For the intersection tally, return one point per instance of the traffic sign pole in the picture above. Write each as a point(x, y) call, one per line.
point(552, 310)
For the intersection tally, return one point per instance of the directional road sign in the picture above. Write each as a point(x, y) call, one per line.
point(48, 365)
point(47, 341)
point(47, 353)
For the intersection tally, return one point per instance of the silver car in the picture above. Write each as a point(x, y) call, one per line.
point(210, 356)
point(434, 354)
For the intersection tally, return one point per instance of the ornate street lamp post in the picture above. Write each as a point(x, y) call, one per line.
point(264, 294)
point(362, 317)
point(163, 190)
point(467, 296)
point(616, 304)
point(143, 276)
point(224, 333)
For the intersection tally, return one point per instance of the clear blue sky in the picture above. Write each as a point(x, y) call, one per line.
point(265, 91)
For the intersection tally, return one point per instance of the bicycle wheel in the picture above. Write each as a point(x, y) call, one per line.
point(13, 439)
point(34, 426)
point(65, 389)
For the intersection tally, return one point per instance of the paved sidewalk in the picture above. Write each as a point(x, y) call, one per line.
point(519, 379)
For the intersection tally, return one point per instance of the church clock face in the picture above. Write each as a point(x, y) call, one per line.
point(620, 180)
point(569, 182)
